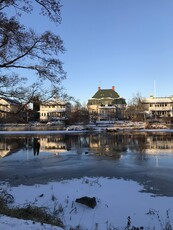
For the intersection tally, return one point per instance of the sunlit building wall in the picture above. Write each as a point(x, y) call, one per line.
point(54, 110)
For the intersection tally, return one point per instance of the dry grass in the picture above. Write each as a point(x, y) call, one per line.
point(28, 212)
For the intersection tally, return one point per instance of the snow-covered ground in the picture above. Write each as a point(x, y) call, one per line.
point(117, 199)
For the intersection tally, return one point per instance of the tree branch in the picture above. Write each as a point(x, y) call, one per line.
point(6, 65)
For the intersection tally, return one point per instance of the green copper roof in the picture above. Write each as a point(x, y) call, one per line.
point(119, 101)
point(106, 93)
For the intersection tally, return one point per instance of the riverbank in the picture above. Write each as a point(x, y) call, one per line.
point(99, 126)
point(30, 127)
point(119, 204)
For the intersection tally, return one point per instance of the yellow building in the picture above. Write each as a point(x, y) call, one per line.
point(8, 106)
point(106, 105)
point(158, 106)
point(54, 110)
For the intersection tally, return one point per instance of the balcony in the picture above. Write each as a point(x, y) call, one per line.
point(52, 110)
point(157, 108)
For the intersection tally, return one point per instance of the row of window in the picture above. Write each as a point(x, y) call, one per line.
point(102, 103)
point(107, 112)
point(52, 106)
point(50, 114)
point(162, 113)
point(159, 105)
point(4, 107)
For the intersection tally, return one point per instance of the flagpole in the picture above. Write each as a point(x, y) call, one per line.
point(155, 96)
point(154, 88)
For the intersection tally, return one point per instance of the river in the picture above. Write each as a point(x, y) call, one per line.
point(38, 157)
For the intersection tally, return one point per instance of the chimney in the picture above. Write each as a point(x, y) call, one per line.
point(113, 88)
point(99, 88)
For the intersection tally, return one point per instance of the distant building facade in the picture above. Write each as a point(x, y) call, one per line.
point(158, 106)
point(54, 110)
point(8, 107)
point(106, 105)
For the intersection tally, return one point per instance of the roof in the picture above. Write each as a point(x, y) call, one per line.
point(53, 102)
point(119, 101)
point(10, 101)
point(105, 93)
point(157, 100)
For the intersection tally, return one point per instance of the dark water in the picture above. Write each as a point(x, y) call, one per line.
point(146, 157)
point(151, 148)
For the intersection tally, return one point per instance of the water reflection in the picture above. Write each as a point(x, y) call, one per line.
point(103, 144)
point(108, 145)
point(36, 146)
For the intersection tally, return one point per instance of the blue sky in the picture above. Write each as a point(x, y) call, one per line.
point(123, 43)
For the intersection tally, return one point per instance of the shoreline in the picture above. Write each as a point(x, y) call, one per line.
point(46, 132)
point(116, 127)
point(27, 127)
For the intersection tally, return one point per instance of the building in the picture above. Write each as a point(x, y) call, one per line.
point(158, 106)
point(106, 105)
point(54, 110)
point(8, 107)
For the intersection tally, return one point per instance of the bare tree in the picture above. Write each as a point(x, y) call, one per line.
point(23, 49)
point(135, 109)
point(78, 114)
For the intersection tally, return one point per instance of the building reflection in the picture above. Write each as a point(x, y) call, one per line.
point(161, 142)
point(9, 146)
point(108, 145)
point(54, 144)
point(98, 144)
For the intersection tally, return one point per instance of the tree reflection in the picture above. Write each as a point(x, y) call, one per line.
point(138, 144)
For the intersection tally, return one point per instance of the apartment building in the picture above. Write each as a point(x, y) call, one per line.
point(158, 106)
point(54, 110)
point(7, 107)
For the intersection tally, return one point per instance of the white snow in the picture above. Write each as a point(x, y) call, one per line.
point(116, 200)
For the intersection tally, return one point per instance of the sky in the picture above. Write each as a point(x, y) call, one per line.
point(111, 212)
point(123, 43)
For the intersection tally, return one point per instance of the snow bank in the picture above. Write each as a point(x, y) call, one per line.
point(116, 200)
